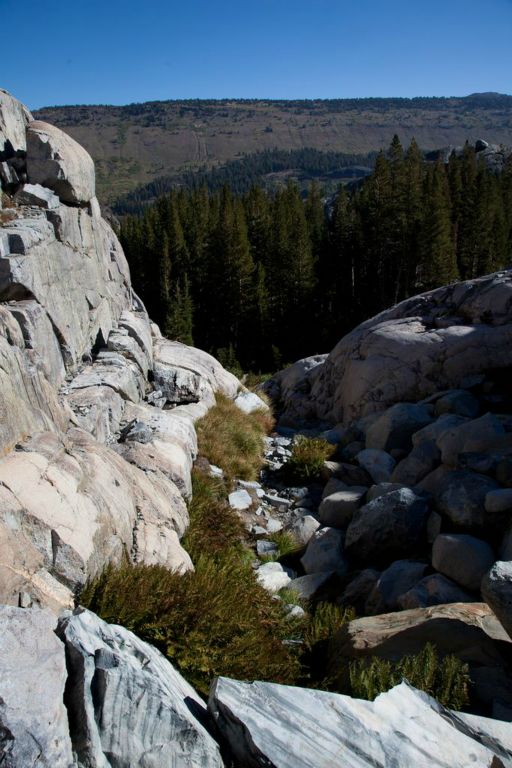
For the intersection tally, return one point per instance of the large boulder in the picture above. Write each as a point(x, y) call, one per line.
point(274, 725)
point(324, 552)
point(497, 592)
point(392, 583)
point(488, 434)
point(33, 718)
point(57, 161)
point(337, 509)
point(460, 495)
point(387, 527)
point(463, 558)
point(426, 343)
point(127, 704)
point(396, 426)
point(435, 589)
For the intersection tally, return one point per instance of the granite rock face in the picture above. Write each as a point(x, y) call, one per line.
point(33, 718)
point(275, 725)
point(80, 367)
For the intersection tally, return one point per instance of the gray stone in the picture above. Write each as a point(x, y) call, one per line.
point(274, 525)
point(267, 724)
point(138, 432)
point(505, 550)
point(273, 577)
point(307, 586)
point(462, 558)
point(499, 501)
point(248, 402)
point(277, 501)
point(377, 463)
point(338, 509)
point(57, 161)
point(504, 472)
point(35, 194)
point(434, 525)
point(333, 485)
point(484, 435)
point(422, 460)
point(347, 473)
point(387, 527)
point(461, 496)
point(432, 431)
point(33, 718)
point(497, 592)
point(266, 548)
point(303, 527)
point(240, 500)
point(396, 426)
point(395, 581)
point(433, 590)
point(128, 704)
point(458, 401)
point(324, 552)
point(356, 593)
point(381, 489)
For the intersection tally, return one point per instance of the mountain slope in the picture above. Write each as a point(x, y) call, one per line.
point(138, 143)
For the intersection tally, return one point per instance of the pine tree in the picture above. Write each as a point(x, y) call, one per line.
point(438, 263)
point(179, 319)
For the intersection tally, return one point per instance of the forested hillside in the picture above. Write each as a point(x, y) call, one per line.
point(139, 143)
point(267, 277)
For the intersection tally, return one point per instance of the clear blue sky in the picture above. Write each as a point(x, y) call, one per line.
point(122, 51)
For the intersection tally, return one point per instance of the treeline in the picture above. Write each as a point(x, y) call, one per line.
point(265, 278)
point(241, 174)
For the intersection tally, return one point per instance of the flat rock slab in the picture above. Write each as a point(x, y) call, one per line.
point(240, 500)
point(286, 727)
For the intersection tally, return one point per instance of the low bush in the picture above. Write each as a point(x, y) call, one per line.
point(445, 679)
point(306, 464)
point(233, 440)
point(216, 620)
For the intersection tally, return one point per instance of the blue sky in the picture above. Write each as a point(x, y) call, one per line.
point(122, 51)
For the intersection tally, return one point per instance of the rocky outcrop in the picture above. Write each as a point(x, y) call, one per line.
point(127, 704)
point(274, 725)
point(33, 718)
point(97, 410)
point(96, 697)
point(425, 344)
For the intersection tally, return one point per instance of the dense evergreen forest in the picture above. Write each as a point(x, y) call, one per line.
point(253, 169)
point(264, 278)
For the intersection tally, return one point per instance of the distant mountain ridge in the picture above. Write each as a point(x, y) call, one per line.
point(136, 144)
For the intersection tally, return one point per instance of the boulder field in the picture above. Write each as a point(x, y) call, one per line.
point(97, 441)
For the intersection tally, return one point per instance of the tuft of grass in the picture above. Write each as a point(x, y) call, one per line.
point(306, 463)
point(216, 620)
point(447, 680)
point(286, 543)
point(233, 440)
point(214, 527)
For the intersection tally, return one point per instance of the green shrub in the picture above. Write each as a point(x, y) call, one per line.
point(446, 680)
point(233, 440)
point(306, 464)
point(216, 620)
point(286, 543)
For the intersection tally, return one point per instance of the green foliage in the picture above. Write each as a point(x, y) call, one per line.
point(286, 543)
point(232, 439)
point(273, 276)
point(445, 679)
point(216, 620)
point(306, 463)
point(324, 622)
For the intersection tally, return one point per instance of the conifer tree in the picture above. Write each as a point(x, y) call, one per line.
point(438, 263)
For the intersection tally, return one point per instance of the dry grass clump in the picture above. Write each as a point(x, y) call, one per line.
point(233, 440)
point(306, 463)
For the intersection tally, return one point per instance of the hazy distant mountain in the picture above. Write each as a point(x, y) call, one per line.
point(138, 143)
